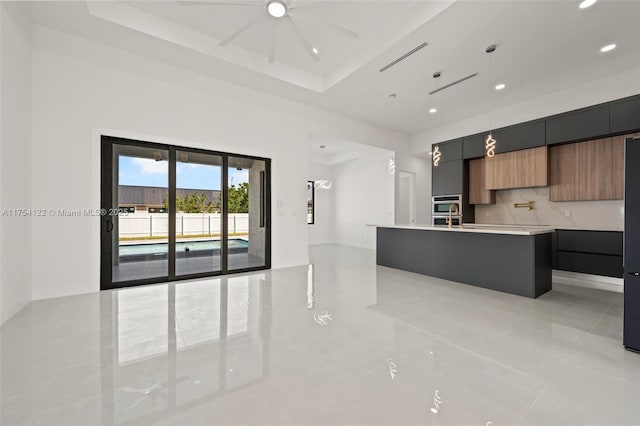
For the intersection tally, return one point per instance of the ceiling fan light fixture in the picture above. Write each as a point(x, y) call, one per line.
point(277, 8)
point(587, 3)
point(608, 48)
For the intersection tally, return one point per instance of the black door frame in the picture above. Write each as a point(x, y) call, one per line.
point(106, 220)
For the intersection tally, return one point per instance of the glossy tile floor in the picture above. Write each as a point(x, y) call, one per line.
point(341, 342)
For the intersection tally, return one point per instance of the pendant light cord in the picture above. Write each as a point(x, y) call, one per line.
point(490, 93)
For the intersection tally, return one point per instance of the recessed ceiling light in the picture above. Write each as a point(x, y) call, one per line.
point(608, 48)
point(500, 86)
point(433, 111)
point(587, 3)
point(277, 9)
point(315, 50)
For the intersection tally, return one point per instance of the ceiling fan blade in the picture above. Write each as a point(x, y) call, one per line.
point(240, 31)
point(272, 50)
point(303, 41)
point(333, 25)
point(218, 3)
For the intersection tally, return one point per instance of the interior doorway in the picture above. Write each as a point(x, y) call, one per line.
point(406, 198)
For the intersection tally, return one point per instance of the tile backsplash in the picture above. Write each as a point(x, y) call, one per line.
point(592, 215)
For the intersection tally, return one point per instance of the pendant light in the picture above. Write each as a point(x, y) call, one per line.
point(490, 142)
point(436, 156)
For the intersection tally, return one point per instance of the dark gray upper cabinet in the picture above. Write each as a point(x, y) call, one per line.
point(455, 177)
point(625, 115)
point(588, 123)
point(521, 136)
point(447, 178)
point(473, 146)
point(439, 179)
point(450, 150)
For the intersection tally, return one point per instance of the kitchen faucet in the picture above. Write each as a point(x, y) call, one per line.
point(452, 207)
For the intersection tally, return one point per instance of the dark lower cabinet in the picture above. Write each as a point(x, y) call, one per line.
point(589, 252)
point(625, 115)
point(588, 123)
point(589, 263)
point(597, 242)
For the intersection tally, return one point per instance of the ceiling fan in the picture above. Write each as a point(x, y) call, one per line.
point(280, 11)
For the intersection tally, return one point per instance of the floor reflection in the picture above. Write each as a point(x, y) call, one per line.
point(339, 342)
point(169, 347)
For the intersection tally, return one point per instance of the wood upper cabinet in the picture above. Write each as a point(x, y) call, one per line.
point(563, 167)
point(519, 169)
point(618, 167)
point(478, 194)
point(587, 171)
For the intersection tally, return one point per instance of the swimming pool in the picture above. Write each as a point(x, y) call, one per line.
point(141, 252)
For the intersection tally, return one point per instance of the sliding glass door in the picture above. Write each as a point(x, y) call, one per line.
point(198, 213)
point(176, 213)
point(246, 218)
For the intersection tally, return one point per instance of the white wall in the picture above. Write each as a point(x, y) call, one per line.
point(603, 90)
point(322, 231)
point(363, 192)
point(82, 88)
point(15, 159)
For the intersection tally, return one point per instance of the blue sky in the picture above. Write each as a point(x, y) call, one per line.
point(148, 172)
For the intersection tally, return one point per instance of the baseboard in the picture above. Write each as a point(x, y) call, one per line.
point(588, 281)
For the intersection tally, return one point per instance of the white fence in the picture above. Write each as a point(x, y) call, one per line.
point(143, 225)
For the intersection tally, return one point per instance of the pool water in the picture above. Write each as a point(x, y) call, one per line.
point(182, 246)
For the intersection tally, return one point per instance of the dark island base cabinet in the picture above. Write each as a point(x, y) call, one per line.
point(515, 264)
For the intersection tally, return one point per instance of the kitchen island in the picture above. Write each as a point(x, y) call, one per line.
point(513, 260)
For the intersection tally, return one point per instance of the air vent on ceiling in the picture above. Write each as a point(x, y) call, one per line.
point(403, 57)
point(454, 83)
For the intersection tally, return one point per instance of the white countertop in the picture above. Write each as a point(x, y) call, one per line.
point(479, 229)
